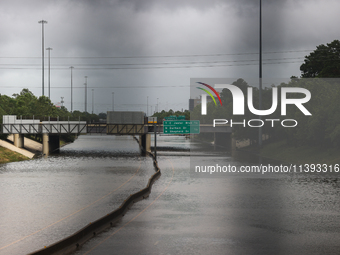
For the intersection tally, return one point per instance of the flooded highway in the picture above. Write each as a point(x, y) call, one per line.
point(45, 200)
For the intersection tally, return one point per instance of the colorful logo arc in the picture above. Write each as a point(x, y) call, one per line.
point(208, 92)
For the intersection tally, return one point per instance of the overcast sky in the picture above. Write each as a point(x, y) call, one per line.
point(151, 48)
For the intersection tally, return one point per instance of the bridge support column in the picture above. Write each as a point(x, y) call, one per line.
point(145, 142)
point(54, 143)
point(51, 143)
point(18, 140)
point(223, 141)
point(45, 149)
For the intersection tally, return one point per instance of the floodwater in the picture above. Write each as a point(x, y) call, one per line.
point(45, 200)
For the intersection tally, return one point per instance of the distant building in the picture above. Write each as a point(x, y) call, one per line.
point(197, 101)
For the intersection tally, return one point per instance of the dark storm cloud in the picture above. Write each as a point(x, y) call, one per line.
point(243, 14)
point(101, 28)
point(173, 5)
point(127, 27)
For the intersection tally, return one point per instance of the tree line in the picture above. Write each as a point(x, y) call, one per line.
point(161, 115)
point(26, 105)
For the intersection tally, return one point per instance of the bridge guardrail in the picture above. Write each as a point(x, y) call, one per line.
point(45, 127)
point(131, 129)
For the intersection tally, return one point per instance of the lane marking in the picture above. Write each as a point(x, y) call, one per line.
point(115, 232)
point(140, 164)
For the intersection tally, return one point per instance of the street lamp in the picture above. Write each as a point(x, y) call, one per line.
point(85, 93)
point(71, 67)
point(113, 94)
point(42, 22)
point(49, 72)
point(92, 101)
point(157, 105)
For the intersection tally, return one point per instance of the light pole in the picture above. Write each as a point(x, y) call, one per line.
point(92, 101)
point(147, 106)
point(113, 94)
point(71, 67)
point(157, 105)
point(49, 71)
point(260, 72)
point(42, 22)
point(85, 93)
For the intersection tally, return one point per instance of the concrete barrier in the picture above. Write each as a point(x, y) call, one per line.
point(75, 241)
point(28, 144)
point(11, 147)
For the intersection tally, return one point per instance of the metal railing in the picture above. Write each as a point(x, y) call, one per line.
point(50, 128)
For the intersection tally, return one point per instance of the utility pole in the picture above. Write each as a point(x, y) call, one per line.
point(113, 94)
point(155, 149)
point(92, 101)
point(42, 22)
point(85, 93)
point(147, 106)
point(49, 72)
point(260, 73)
point(71, 67)
point(157, 105)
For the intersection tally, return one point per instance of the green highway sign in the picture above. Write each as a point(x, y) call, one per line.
point(181, 127)
point(174, 117)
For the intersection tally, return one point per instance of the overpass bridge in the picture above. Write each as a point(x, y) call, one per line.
point(222, 133)
point(51, 131)
point(135, 129)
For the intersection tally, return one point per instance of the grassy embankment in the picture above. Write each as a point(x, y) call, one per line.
point(7, 156)
point(301, 154)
